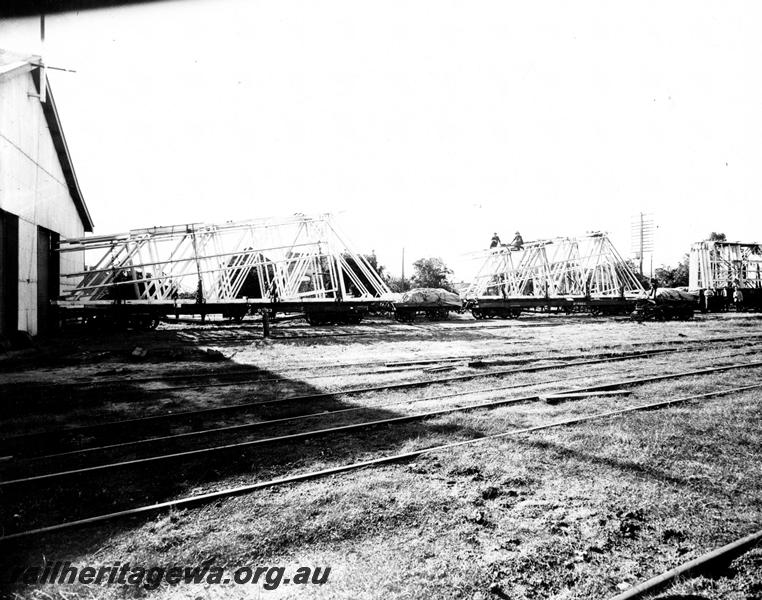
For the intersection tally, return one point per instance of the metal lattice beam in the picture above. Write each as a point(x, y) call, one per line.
point(296, 258)
point(588, 266)
point(716, 265)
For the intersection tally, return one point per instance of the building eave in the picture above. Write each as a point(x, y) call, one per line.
point(59, 142)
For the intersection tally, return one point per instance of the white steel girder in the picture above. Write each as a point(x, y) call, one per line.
point(291, 259)
point(715, 265)
point(587, 266)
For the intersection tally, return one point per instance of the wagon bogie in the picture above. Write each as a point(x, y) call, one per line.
point(349, 315)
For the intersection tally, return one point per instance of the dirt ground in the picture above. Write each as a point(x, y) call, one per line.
point(581, 511)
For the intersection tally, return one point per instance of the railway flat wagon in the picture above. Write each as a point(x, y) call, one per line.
point(434, 304)
point(665, 305)
point(299, 264)
point(583, 274)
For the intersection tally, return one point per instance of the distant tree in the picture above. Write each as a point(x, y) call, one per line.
point(673, 277)
point(397, 285)
point(717, 237)
point(372, 260)
point(432, 273)
point(644, 281)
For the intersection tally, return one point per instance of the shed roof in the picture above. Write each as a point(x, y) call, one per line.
point(12, 64)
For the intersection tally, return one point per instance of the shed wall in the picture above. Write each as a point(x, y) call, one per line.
point(32, 187)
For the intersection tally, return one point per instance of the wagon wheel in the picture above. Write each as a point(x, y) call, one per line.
point(405, 316)
point(143, 322)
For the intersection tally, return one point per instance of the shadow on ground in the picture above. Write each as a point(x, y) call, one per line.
point(122, 395)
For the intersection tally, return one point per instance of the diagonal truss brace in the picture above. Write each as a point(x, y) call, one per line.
point(295, 258)
point(588, 266)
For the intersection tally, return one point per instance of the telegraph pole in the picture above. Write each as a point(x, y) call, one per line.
point(642, 238)
point(640, 253)
point(403, 268)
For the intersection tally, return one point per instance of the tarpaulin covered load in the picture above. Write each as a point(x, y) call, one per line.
point(430, 297)
point(670, 295)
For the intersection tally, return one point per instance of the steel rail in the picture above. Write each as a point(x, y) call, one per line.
point(719, 555)
point(320, 396)
point(270, 422)
point(355, 426)
point(245, 377)
point(28, 387)
point(8, 442)
point(395, 458)
point(38, 386)
point(216, 384)
point(175, 388)
point(106, 385)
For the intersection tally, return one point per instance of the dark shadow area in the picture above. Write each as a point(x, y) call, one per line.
point(37, 504)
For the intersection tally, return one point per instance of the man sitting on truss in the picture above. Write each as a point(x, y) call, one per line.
point(518, 242)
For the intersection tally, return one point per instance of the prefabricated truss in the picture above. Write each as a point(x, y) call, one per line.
point(296, 259)
point(716, 265)
point(586, 267)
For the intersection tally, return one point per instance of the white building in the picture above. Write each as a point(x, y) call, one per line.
point(40, 199)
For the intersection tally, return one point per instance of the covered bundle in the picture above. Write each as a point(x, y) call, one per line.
point(673, 295)
point(430, 297)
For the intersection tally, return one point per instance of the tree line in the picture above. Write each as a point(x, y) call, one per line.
point(427, 273)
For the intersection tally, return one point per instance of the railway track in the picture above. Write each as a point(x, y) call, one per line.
point(253, 375)
point(415, 361)
point(46, 438)
point(160, 457)
point(251, 426)
point(189, 501)
point(52, 440)
point(281, 420)
point(720, 556)
point(341, 429)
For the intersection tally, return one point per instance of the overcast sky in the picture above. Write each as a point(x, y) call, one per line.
point(423, 124)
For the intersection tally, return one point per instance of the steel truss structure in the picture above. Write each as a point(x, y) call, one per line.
point(300, 259)
point(565, 268)
point(717, 265)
